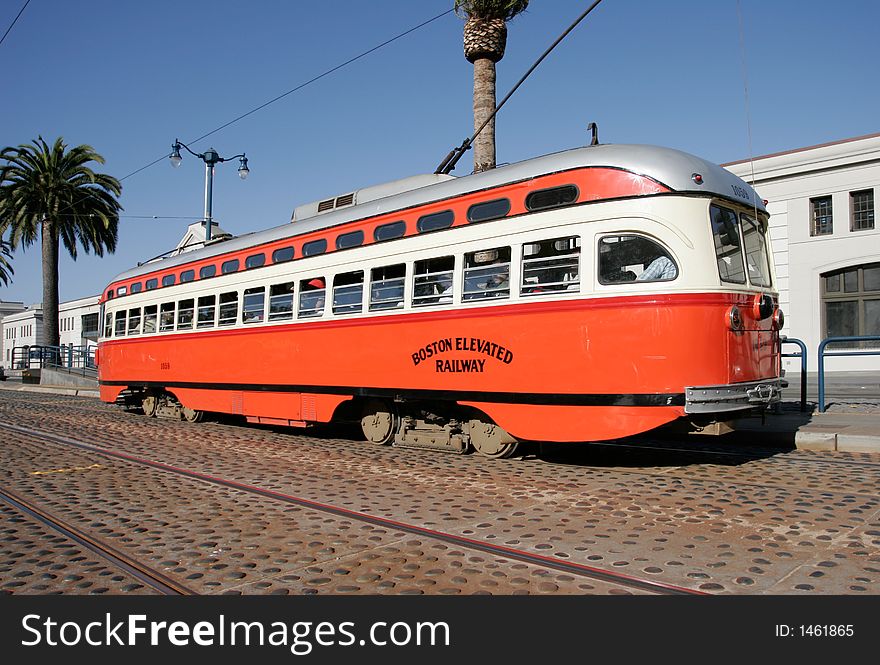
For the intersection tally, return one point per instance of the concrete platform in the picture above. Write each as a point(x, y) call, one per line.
point(845, 432)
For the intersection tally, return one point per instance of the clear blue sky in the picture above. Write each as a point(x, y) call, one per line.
point(130, 77)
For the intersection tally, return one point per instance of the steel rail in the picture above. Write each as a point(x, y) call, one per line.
point(143, 573)
point(523, 556)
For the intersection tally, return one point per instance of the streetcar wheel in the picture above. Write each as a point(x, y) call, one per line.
point(149, 405)
point(489, 440)
point(192, 415)
point(379, 422)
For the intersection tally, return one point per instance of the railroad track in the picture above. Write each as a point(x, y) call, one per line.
point(140, 571)
point(523, 556)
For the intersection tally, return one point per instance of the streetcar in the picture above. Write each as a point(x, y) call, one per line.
point(586, 295)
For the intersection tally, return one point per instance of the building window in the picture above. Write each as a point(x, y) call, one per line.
point(820, 213)
point(851, 303)
point(862, 210)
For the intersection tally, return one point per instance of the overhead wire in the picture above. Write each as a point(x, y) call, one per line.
point(298, 87)
point(14, 21)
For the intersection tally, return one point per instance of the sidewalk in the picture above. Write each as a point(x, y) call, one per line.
point(854, 432)
point(54, 390)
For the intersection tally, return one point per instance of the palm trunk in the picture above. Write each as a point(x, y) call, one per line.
point(50, 284)
point(484, 105)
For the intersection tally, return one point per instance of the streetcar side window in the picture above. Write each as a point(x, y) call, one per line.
point(207, 305)
point(228, 309)
point(487, 274)
point(108, 324)
point(207, 271)
point(352, 239)
point(254, 305)
point(389, 231)
point(229, 266)
point(311, 297)
point(152, 283)
point(435, 221)
point(348, 292)
point(168, 280)
point(121, 291)
point(553, 197)
point(120, 323)
point(432, 281)
point(281, 301)
point(136, 287)
point(185, 314)
point(551, 265)
point(756, 251)
point(255, 261)
point(728, 252)
point(187, 276)
point(134, 321)
point(386, 287)
point(488, 210)
point(166, 316)
point(150, 315)
point(315, 247)
point(282, 254)
point(633, 258)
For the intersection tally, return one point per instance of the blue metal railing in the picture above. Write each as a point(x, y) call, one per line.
point(75, 359)
point(803, 356)
point(848, 352)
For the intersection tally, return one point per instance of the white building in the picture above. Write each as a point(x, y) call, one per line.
point(826, 243)
point(77, 323)
point(22, 328)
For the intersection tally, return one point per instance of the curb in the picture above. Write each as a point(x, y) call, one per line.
point(54, 390)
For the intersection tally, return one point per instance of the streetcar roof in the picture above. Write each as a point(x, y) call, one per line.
point(673, 168)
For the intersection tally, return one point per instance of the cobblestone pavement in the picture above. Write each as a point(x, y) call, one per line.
point(712, 516)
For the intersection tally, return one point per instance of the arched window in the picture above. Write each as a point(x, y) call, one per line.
point(851, 301)
point(634, 258)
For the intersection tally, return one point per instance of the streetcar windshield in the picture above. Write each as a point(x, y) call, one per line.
point(725, 231)
point(756, 251)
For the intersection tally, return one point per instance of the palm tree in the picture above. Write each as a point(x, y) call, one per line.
point(52, 193)
point(485, 36)
point(5, 269)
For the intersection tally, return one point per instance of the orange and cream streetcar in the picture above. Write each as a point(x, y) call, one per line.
point(586, 295)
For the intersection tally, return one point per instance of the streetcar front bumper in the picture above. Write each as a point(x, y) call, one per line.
point(734, 396)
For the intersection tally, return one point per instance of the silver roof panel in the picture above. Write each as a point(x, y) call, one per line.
point(673, 168)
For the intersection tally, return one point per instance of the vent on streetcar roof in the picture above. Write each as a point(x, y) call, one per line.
point(344, 200)
point(324, 206)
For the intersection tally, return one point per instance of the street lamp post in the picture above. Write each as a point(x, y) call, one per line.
point(210, 157)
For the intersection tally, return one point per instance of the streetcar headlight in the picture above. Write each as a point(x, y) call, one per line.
point(734, 318)
point(762, 306)
point(778, 319)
